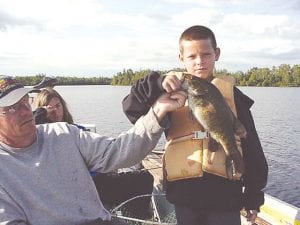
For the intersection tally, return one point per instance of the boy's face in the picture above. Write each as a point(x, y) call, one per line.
point(198, 57)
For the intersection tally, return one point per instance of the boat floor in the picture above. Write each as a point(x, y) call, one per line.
point(153, 163)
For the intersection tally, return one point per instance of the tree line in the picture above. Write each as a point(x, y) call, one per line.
point(282, 76)
point(33, 80)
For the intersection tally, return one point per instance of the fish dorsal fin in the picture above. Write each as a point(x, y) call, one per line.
point(213, 145)
point(190, 112)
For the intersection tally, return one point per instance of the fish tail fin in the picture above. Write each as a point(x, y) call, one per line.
point(235, 164)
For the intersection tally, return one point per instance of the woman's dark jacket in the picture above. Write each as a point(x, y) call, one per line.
point(210, 191)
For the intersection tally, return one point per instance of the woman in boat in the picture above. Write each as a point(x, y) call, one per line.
point(51, 107)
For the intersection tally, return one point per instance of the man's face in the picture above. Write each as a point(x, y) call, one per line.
point(17, 121)
point(198, 57)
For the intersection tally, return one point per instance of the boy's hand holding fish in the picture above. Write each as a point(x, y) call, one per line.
point(171, 83)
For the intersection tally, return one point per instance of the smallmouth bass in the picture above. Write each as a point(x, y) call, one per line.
point(210, 109)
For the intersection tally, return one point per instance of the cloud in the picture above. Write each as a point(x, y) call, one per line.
point(203, 16)
point(8, 21)
point(54, 15)
point(249, 40)
point(296, 5)
point(292, 55)
point(94, 37)
point(195, 2)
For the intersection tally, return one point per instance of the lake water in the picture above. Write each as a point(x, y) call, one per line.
point(276, 113)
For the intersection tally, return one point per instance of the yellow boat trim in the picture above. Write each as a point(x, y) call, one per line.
point(279, 217)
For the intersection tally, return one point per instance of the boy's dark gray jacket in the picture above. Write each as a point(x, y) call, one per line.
point(210, 191)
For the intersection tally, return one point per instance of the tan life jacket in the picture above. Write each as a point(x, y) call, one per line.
point(186, 151)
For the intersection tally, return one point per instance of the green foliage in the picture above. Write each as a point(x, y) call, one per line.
point(33, 80)
point(84, 81)
point(128, 77)
point(281, 76)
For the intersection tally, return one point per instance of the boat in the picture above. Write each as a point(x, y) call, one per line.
point(149, 206)
point(273, 212)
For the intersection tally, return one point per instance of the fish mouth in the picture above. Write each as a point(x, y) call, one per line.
point(185, 78)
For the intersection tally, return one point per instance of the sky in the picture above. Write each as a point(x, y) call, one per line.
point(88, 38)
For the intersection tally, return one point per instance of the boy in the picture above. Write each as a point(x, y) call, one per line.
point(203, 195)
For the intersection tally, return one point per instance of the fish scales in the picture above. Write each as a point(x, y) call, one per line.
point(213, 113)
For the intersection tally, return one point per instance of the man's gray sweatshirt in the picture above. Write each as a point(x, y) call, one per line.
point(49, 182)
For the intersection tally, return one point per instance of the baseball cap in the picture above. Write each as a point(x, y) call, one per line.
point(11, 91)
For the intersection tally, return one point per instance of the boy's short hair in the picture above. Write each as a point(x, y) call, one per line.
point(197, 32)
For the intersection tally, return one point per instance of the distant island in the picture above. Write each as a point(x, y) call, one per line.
point(281, 76)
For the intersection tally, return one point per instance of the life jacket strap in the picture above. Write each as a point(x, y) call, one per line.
point(195, 135)
point(200, 134)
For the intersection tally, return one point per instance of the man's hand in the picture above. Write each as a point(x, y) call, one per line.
point(49, 109)
point(171, 83)
point(251, 215)
point(168, 102)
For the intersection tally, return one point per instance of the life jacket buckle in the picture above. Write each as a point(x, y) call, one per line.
point(200, 134)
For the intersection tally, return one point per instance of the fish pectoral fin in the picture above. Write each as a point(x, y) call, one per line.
point(239, 128)
point(200, 92)
point(213, 145)
point(191, 115)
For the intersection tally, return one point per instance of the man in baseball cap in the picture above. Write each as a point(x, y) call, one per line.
point(11, 91)
point(17, 126)
point(45, 175)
